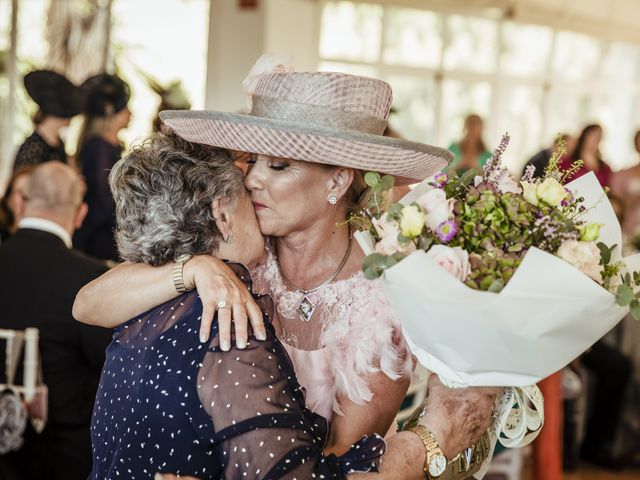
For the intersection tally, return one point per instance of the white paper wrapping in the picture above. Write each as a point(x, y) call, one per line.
point(547, 315)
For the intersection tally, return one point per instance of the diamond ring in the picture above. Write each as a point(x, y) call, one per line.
point(222, 304)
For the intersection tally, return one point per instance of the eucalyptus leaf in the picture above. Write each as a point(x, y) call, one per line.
point(372, 178)
point(387, 182)
point(624, 295)
point(634, 309)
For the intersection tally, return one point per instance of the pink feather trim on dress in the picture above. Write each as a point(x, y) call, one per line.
point(352, 334)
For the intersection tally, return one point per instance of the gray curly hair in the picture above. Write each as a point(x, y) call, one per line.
point(163, 191)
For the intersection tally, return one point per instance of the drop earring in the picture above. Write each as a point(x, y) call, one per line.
point(332, 199)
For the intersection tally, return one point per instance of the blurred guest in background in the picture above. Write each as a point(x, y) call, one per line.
point(588, 150)
point(58, 101)
point(540, 160)
point(626, 185)
point(99, 148)
point(11, 204)
point(471, 151)
point(43, 275)
point(172, 97)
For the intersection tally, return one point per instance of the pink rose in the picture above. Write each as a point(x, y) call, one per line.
point(388, 231)
point(453, 260)
point(436, 206)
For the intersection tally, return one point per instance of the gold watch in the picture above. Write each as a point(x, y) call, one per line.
point(436, 463)
point(177, 273)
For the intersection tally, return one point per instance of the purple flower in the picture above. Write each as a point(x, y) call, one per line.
point(447, 230)
point(440, 180)
point(568, 200)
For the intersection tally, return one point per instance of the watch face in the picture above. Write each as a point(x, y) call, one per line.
point(437, 465)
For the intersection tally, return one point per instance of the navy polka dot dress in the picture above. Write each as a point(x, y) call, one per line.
point(168, 403)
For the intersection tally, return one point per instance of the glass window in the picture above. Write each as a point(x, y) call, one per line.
point(473, 44)
point(31, 53)
point(520, 114)
point(525, 49)
point(568, 111)
point(154, 45)
point(412, 37)
point(414, 104)
point(351, 31)
point(615, 111)
point(576, 56)
point(460, 99)
point(620, 62)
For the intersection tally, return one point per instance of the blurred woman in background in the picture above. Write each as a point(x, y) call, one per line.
point(99, 148)
point(625, 184)
point(471, 151)
point(588, 150)
point(58, 101)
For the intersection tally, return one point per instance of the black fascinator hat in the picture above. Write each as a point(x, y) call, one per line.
point(54, 93)
point(105, 94)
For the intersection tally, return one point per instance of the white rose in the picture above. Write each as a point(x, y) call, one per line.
point(436, 206)
point(453, 260)
point(551, 192)
point(508, 184)
point(530, 193)
point(585, 256)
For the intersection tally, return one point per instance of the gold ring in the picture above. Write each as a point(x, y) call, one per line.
point(222, 304)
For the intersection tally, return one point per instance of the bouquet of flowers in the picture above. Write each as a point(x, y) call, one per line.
point(498, 282)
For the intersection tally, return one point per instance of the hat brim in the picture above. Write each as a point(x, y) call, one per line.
point(54, 93)
point(408, 161)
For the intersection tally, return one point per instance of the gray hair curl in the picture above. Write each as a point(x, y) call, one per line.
point(163, 191)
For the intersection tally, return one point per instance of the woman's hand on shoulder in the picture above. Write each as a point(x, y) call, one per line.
point(458, 417)
point(216, 285)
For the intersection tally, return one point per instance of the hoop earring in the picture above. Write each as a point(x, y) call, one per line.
point(332, 199)
point(229, 239)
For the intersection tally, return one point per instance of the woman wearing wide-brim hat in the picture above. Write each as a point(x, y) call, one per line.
point(99, 148)
point(311, 137)
point(58, 101)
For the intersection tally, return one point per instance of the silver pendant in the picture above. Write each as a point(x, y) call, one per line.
point(306, 309)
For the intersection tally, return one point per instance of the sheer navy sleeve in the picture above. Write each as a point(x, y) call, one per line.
point(168, 403)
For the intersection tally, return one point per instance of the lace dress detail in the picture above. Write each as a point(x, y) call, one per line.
point(353, 333)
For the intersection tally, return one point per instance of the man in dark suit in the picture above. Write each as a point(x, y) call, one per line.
point(41, 274)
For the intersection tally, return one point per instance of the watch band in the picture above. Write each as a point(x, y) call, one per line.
point(431, 447)
point(177, 273)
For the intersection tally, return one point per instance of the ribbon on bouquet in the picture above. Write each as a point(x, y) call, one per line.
point(520, 416)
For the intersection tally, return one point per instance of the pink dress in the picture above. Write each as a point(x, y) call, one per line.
point(352, 333)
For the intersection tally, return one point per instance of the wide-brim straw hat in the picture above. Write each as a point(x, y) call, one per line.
point(321, 117)
point(54, 93)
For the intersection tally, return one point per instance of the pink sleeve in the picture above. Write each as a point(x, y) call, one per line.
point(365, 338)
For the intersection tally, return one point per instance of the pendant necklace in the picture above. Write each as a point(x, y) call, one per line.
point(307, 307)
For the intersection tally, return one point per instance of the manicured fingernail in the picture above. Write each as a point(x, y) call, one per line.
point(158, 476)
point(225, 346)
point(203, 337)
point(240, 343)
point(261, 336)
